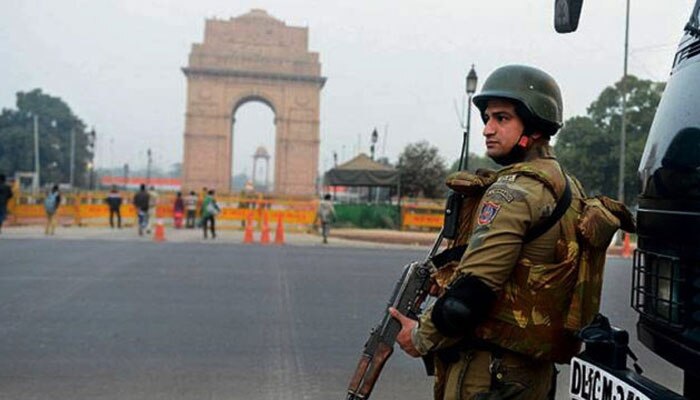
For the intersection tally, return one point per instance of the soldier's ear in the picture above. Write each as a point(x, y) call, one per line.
point(524, 141)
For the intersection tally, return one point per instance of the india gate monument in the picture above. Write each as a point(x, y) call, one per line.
point(253, 57)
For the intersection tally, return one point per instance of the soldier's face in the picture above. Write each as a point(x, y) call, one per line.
point(502, 129)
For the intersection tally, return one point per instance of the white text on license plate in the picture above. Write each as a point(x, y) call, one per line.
point(588, 382)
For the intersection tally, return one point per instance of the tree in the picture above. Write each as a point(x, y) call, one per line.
point(589, 146)
point(55, 122)
point(422, 170)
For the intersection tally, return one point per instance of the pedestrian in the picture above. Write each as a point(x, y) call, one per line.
point(142, 204)
point(51, 204)
point(498, 326)
point(114, 201)
point(152, 208)
point(5, 196)
point(200, 202)
point(325, 215)
point(178, 210)
point(209, 212)
point(191, 207)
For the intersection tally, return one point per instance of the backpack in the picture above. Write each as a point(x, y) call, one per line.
point(594, 221)
point(50, 203)
point(213, 208)
point(326, 211)
point(596, 226)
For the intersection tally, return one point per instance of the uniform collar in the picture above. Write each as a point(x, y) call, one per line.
point(540, 151)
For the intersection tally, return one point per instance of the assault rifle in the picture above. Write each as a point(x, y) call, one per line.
point(408, 296)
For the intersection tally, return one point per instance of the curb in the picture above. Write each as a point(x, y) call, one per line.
point(421, 239)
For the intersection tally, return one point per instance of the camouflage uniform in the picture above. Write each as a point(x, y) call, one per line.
point(534, 283)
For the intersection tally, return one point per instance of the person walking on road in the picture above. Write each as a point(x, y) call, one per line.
point(209, 212)
point(325, 215)
point(498, 325)
point(51, 204)
point(114, 201)
point(178, 210)
point(191, 208)
point(142, 203)
point(5, 196)
point(200, 202)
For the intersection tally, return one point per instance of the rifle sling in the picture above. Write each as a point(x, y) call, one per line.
point(562, 205)
point(451, 254)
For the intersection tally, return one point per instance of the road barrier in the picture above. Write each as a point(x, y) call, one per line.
point(90, 209)
point(423, 214)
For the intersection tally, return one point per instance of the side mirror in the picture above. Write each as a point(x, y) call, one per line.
point(566, 15)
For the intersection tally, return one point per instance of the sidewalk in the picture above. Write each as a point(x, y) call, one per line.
point(373, 238)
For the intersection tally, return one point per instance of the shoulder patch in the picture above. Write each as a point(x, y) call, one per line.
point(502, 192)
point(507, 178)
point(488, 212)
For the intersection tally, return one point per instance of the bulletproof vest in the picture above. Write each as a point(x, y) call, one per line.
point(541, 306)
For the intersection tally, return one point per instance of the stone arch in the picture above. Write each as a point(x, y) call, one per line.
point(253, 97)
point(253, 57)
point(237, 104)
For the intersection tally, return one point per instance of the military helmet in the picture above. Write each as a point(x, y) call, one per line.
point(533, 88)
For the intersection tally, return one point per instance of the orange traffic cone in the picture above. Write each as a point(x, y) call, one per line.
point(248, 235)
point(279, 233)
point(159, 233)
point(626, 246)
point(265, 231)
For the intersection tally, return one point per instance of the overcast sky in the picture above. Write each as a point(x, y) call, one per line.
point(395, 65)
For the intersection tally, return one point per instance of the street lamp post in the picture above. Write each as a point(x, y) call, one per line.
point(92, 136)
point(126, 176)
point(148, 166)
point(375, 136)
point(472, 80)
point(37, 164)
point(35, 121)
point(623, 131)
point(335, 165)
point(72, 157)
point(36, 149)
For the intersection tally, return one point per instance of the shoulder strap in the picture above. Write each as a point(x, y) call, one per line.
point(562, 205)
point(455, 253)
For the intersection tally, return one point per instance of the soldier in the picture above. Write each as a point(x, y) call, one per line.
point(498, 327)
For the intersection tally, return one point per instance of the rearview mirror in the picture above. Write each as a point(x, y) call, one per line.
point(566, 15)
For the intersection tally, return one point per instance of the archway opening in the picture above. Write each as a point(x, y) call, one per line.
point(253, 146)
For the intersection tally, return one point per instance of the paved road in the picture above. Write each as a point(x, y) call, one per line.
point(139, 320)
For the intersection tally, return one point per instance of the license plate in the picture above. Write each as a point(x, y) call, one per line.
point(587, 382)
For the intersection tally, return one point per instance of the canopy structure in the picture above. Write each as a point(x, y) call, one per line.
point(362, 171)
